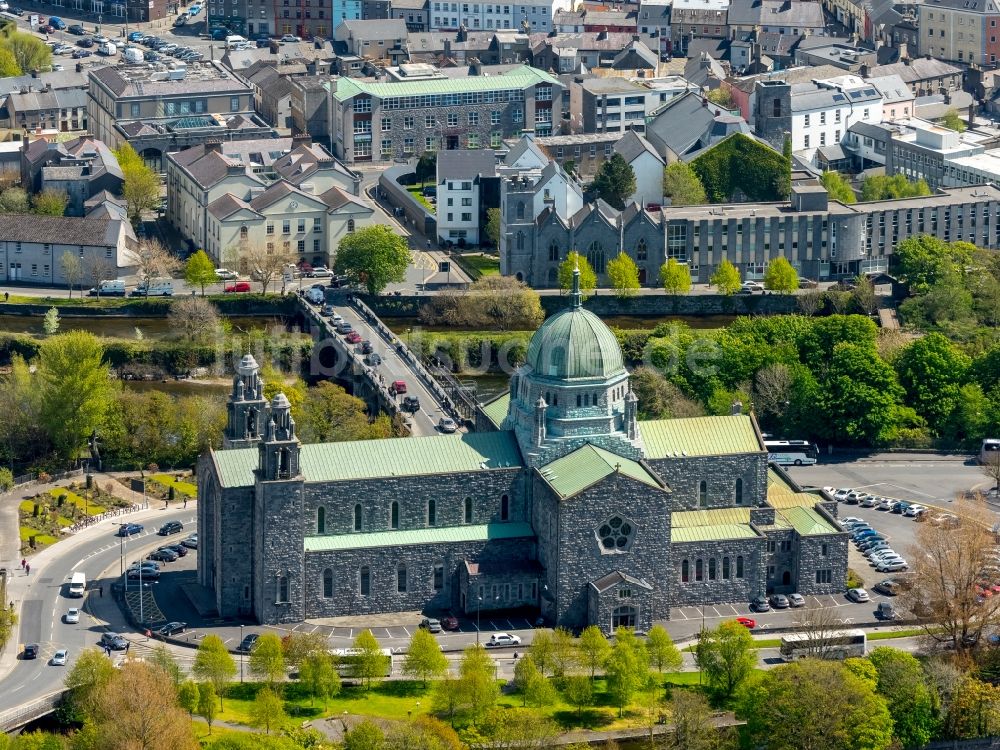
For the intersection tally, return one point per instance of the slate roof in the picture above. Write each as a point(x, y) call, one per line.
point(617, 578)
point(525, 145)
point(59, 230)
point(638, 49)
point(632, 145)
point(226, 205)
point(893, 88)
point(384, 29)
point(586, 466)
point(682, 122)
point(413, 537)
point(918, 69)
point(336, 198)
point(207, 167)
point(465, 165)
point(700, 436)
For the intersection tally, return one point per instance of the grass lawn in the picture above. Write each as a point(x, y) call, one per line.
point(885, 635)
point(41, 540)
point(479, 264)
point(72, 498)
point(180, 487)
point(417, 192)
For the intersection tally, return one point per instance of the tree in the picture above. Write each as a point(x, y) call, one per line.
point(882, 187)
point(860, 395)
point(693, 723)
point(8, 64)
point(623, 274)
point(199, 270)
point(902, 683)
point(659, 398)
point(823, 629)
point(726, 278)
point(682, 186)
point(535, 689)
point(863, 295)
point(663, 654)
point(89, 675)
point(932, 371)
point(974, 710)
point(492, 228)
point(8, 616)
point(330, 414)
point(924, 260)
point(726, 655)
point(424, 658)
point(542, 651)
point(723, 96)
point(267, 660)
point(627, 670)
point(187, 696)
point(514, 729)
point(374, 256)
point(154, 260)
point(14, 200)
point(991, 469)
point(500, 303)
point(588, 279)
point(267, 710)
point(29, 52)
point(448, 696)
point(830, 707)
point(477, 678)
point(364, 736)
point(952, 121)
point(74, 389)
point(298, 647)
point(207, 708)
point(266, 265)
point(164, 660)
point(318, 673)
point(675, 277)
point(96, 267)
point(50, 323)
point(215, 664)
point(194, 318)
point(426, 167)
point(594, 649)
point(615, 181)
point(780, 276)
point(838, 188)
point(71, 268)
point(141, 186)
point(579, 691)
point(138, 710)
point(50, 202)
point(563, 656)
point(369, 664)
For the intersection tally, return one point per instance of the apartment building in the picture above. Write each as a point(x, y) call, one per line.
point(612, 105)
point(964, 31)
point(795, 17)
point(654, 19)
point(529, 16)
point(415, 13)
point(421, 108)
point(692, 19)
point(373, 40)
point(922, 150)
point(82, 168)
point(47, 109)
point(302, 18)
point(462, 180)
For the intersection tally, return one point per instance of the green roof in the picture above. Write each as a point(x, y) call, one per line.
point(808, 521)
point(700, 436)
point(690, 518)
point(410, 537)
point(496, 410)
point(712, 532)
point(390, 457)
point(588, 465)
point(782, 494)
point(575, 343)
point(516, 78)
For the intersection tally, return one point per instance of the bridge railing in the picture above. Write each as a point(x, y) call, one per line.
point(28, 712)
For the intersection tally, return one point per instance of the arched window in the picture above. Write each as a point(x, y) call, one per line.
point(711, 569)
point(394, 515)
point(401, 579)
point(703, 494)
point(520, 209)
point(321, 520)
point(468, 510)
point(725, 568)
point(555, 399)
point(328, 583)
point(431, 512)
point(554, 252)
point(578, 401)
point(641, 251)
point(739, 566)
point(350, 226)
point(699, 573)
point(739, 491)
point(244, 233)
point(283, 588)
point(357, 517)
point(504, 508)
point(685, 571)
point(364, 581)
point(520, 241)
point(595, 256)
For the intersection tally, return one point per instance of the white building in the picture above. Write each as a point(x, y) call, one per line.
point(460, 174)
point(823, 110)
point(647, 165)
point(477, 16)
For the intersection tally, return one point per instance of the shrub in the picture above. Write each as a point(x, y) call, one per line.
point(6, 479)
point(741, 166)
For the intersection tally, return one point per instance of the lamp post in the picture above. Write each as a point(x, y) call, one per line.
point(479, 607)
point(241, 653)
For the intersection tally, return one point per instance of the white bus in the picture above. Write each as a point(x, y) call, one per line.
point(791, 452)
point(77, 584)
point(347, 658)
point(989, 451)
point(832, 644)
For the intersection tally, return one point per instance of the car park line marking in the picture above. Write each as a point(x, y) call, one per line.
point(407, 631)
point(511, 625)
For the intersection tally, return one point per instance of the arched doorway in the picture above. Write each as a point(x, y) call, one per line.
point(786, 578)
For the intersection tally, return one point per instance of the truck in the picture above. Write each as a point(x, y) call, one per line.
point(109, 49)
point(110, 288)
point(77, 584)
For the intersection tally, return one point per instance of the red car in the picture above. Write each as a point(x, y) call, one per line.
point(450, 622)
point(398, 386)
point(239, 286)
point(353, 338)
point(747, 622)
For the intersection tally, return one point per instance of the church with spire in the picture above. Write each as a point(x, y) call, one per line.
point(561, 504)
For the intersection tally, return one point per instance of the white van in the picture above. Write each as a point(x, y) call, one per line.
point(316, 296)
point(156, 289)
point(233, 40)
point(113, 288)
point(133, 56)
point(77, 584)
point(107, 48)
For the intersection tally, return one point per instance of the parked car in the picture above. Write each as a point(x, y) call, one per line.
point(499, 640)
point(320, 272)
point(344, 328)
point(113, 641)
point(796, 600)
point(807, 283)
point(129, 529)
point(888, 587)
point(166, 555)
point(178, 549)
point(447, 425)
point(884, 503)
point(59, 658)
point(143, 574)
point(238, 287)
point(171, 628)
point(760, 604)
point(135, 36)
point(72, 616)
point(81, 54)
point(914, 510)
point(373, 360)
point(248, 642)
point(291, 38)
point(858, 595)
point(191, 542)
point(170, 527)
point(752, 286)
point(224, 274)
point(431, 625)
point(892, 566)
point(366, 347)
point(78, 30)
point(886, 611)
point(747, 622)
point(449, 622)
point(868, 501)
point(779, 601)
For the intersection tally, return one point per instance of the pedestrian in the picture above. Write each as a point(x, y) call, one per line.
point(23, 563)
point(127, 647)
point(185, 502)
point(107, 652)
point(6, 296)
point(27, 569)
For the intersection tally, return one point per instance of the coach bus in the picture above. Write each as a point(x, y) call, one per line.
point(347, 659)
point(989, 451)
point(791, 452)
point(833, 644)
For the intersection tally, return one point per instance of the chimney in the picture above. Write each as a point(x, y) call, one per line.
point(906, 61)
point(302, 139)
point(475, 67)
point(447, 47)
point(213, 146)
point(928, 56)
point(737, 408)
point(903, 50)
point(864, 71)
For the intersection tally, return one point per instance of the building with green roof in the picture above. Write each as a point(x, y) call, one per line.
point(563, 503)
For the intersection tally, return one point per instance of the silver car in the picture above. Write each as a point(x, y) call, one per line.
point(59, 658)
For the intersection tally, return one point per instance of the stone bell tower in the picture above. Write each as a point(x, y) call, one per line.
point(246, 407)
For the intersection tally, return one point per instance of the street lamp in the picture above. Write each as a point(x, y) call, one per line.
point(479, 607)
point(241, 653)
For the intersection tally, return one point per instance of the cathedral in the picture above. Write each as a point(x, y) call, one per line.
point(562, 502)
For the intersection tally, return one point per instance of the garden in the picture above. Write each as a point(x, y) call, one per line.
point(45, 515)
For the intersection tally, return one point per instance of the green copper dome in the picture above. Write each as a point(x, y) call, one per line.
point(575, 343)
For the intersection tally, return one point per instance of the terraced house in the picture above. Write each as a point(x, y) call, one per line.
point(562, 502)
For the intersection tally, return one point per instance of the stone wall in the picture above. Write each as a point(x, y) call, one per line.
point(278, 551)
point(811, 559)
point(601, 605)
point(684, 475)
point(720, 590)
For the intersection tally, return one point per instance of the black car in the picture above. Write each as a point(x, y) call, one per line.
point(411, 404)
point(145, 575)
point(248, 642)
point(164, 554)
point(80, 54)
point(85, 42)
point(113, 641)
point(31, 651)
point(179, 549)
point(77, 30)
point(366, 347)
point(171, 628)
point(129, 529)
point(16, 11)
point(170, 527)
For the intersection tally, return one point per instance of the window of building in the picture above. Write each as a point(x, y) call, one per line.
point(357, 517)
point(595, 256)
point(321, 520)
point(364, 581)
point(495, 117)
point(777, 108)
point(806, 120)
point(520, 209)
point(431, 512)
point(553, 252)
point(770, 546)
point(468, 510)
point(711, 569)
point(401, 579)
point(739, 491)
point(703, 494)
point(824, 549)
point(453, 120)
point(438, 577)
point(641, 250)
point(234, 104)
point(824, 576)
point(282, 589)
point(698, 572)
point(473, 118)
point(286, 227)
point(386, 124)
point(408, 122)
point(739, 566)
point(270, 228)
point(328, 583)
point(805, 140)
point(685, 571)
point(350, 226)
point(429, 121)
point(623, 617)
point(725, 568)
point(615, 535)
point(504, 508)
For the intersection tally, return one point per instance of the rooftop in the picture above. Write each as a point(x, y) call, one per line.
point(59, 230)
point(519, 78)
point(783, 494)
point(706, 525)
point(154, 80)
point(496, 410)
point(456, 164)
point(586, 466)
point(700, 436)
point(412, 537)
